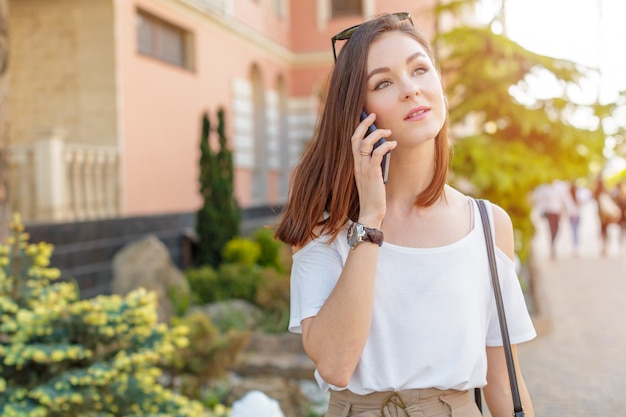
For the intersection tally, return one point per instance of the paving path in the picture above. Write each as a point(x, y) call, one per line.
point(577, 367)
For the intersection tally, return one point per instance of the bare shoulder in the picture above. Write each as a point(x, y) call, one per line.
point(503, 230)
point(501, 218)
point(502, 224)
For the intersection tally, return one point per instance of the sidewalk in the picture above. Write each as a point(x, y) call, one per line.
point(576, 367)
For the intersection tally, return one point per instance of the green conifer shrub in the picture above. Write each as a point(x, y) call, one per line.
point(217, 221)
point(62, 356)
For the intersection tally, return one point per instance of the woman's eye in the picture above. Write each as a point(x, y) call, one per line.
point(420, 70)
point(382, 84)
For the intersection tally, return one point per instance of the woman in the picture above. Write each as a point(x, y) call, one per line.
point(390, 282)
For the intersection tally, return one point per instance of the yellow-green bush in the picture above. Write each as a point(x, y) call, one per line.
point(62, 356)
point(208, 356)
point(242, 251)
point(270, 249)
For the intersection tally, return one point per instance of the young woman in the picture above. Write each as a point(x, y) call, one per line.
point(390, 282)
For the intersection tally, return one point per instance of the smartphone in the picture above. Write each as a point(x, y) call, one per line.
point(384, 165)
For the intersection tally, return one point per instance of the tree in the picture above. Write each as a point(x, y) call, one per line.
point(218, 219)
point(514, 144)
point(4, 130)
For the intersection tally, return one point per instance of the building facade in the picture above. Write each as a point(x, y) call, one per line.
point(106, 97)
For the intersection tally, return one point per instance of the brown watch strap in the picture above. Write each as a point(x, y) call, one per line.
point(373, 235)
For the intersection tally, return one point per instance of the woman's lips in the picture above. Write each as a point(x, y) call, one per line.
point(417, 114)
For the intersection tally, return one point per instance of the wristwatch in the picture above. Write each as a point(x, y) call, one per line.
point(359, 233)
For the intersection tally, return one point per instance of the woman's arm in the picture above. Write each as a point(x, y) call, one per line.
point(334, 339)
point(498, 390)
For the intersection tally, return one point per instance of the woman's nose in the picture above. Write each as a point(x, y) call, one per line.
point(410, 89)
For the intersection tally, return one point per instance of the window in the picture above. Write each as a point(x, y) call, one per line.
point(342, 8)
point(164, 41)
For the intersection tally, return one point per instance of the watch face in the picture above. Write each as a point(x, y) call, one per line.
point(358, 233)
point(355, 234)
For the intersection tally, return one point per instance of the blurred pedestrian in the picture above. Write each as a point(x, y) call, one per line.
point(608, 211)
point(551, 199)
point(620, 199)
point(573, 214)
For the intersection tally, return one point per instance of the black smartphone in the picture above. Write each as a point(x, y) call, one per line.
point(384, 165)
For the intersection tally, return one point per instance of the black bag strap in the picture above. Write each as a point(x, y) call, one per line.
point(518, 410)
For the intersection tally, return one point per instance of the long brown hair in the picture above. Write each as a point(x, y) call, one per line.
point(323, 181)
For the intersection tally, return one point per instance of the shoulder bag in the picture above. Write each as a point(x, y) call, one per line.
point(518, 410)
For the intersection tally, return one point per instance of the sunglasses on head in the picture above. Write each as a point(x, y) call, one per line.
point(345, 34)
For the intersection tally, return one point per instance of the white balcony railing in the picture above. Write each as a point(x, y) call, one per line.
point(51, 180)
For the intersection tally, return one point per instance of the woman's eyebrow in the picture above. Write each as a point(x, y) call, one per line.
point(415, 56)
point(411, 58)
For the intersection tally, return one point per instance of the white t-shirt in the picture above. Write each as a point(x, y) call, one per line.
point(434, 311)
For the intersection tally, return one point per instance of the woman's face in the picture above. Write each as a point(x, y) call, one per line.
point(404, 89)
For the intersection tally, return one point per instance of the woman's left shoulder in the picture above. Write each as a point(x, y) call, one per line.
point(501, 218)
point(503, 230)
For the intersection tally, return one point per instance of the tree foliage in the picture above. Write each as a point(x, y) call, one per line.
point(504, 146)
point(218, 219)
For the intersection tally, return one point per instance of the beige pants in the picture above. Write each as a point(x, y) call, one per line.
point(411, 403)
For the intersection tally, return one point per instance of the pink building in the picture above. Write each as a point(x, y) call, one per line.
point(107, 97)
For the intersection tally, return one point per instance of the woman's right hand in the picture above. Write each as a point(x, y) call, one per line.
point(367, 171)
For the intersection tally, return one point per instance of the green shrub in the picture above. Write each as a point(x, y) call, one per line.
point(205, 285)
point(256, 270)
point(273, 298)
point(231, 280)
point(181, 300)
point(242, 251)
point(270, 249)
point(61, 356)
point(209, 354)
point(239, 280)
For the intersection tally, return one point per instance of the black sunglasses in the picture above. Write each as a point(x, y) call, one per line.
point(345, 34)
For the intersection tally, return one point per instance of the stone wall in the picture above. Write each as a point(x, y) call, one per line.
point(84, 250)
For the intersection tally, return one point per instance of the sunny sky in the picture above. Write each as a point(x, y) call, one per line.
point(591, 32)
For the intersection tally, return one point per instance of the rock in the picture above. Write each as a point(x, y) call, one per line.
point(276, 354)
point(147, 263)
point(238, 314)
point(287, 393)
point(275, 364)
point(256, 404)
